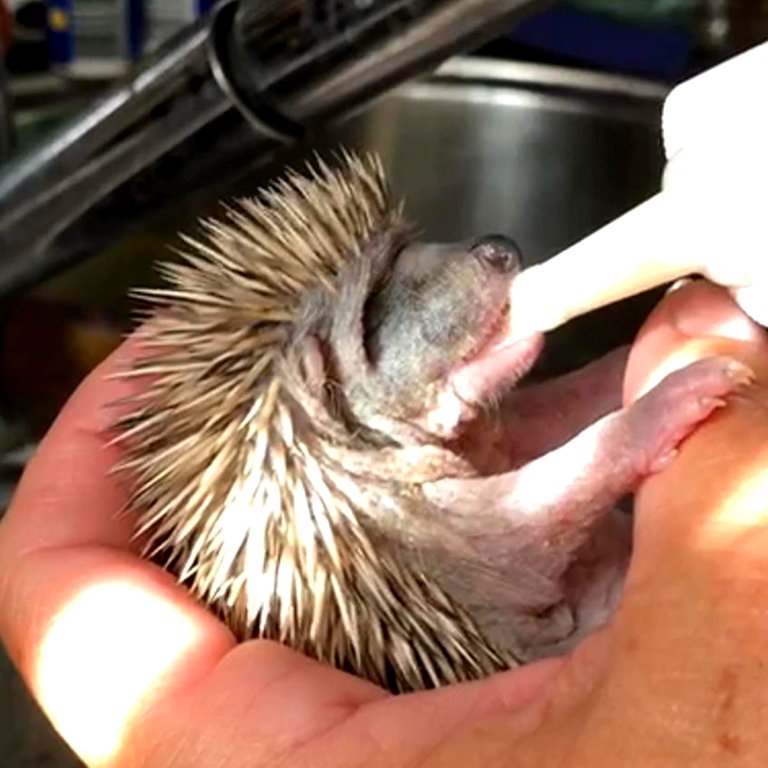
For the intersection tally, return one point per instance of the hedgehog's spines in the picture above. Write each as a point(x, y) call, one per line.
point(238, 467)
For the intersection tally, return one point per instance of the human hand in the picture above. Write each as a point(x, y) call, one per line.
point(132, 672)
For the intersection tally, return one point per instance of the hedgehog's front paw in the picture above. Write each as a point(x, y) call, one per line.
point(681, 402)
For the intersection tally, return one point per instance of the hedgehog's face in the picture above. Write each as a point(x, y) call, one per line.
point(431, 323)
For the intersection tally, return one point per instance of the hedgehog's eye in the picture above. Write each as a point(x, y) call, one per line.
point(375, 311)
point(497, 251)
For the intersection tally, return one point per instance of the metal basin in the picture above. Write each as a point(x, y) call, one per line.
point(545, 155)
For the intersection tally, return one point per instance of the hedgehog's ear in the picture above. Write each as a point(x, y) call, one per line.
point(313, 362)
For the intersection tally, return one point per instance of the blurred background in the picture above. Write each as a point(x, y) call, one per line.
point(545, 127)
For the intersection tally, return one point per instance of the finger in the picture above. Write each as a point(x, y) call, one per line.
point(308, 714)
point(686, 324)
point(129, 671)
point(688, 641)
point(93, 629)
point(725, 456)
point(67, 496)
point(100, 635)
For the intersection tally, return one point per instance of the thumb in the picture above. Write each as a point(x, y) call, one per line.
point(690, 640)
point(718, 484)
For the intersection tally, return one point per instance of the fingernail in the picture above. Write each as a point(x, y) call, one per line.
point(678, 284)
point(712, 312)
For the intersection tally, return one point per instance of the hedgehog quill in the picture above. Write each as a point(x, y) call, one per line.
point(334, 449)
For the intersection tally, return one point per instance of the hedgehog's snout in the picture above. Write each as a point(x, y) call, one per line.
point(431, 311)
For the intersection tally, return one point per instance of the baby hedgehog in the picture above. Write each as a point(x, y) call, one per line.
point(330, 450)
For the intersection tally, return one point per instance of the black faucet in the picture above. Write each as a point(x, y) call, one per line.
point(287, 66)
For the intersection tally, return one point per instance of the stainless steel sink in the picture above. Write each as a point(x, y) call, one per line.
point(543, 154)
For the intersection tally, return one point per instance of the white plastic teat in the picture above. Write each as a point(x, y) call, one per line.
point(711, 217)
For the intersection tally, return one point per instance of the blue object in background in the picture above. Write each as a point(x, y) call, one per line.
point(115, 32)
point(166, 17)
point(120, 31)
point(61, 42)
point(608, 43)
point(134, 13)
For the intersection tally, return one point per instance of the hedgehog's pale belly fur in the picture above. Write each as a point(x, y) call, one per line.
point(296, 521)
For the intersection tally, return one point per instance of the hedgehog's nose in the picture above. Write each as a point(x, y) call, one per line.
point(499, 252)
